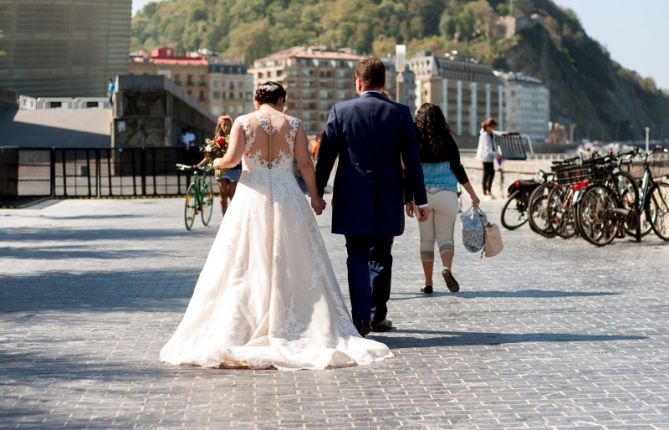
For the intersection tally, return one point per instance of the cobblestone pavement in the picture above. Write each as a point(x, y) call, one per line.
point(550, 334)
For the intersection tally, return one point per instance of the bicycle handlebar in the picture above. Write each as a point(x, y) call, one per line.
point(187, 168)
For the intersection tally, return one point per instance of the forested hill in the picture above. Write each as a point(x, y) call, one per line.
point(588, 88)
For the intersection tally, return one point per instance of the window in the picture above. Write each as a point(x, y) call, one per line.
point(216, 95)
point(231, 85)
point(189, 80)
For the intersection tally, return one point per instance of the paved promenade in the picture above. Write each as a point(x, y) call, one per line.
point(550, 334)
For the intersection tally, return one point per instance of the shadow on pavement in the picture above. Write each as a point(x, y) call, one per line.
point(95, 233)
point(93, 217)
point(460, 338)
point(98, 291)
point(534, 294)
point(72, 252)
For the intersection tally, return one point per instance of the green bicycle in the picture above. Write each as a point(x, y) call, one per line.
point(199, 196)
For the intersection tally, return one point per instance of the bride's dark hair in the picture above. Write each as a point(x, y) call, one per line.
point(269, 92)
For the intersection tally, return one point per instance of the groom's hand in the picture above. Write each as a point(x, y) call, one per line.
point(409, 207)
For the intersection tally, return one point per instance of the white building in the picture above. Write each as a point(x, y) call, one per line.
point(466, 91)
point(527, 106)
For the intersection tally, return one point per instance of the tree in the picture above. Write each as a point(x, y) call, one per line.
point(250, 41)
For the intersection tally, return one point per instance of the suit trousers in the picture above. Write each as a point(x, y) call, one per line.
point(369, 266)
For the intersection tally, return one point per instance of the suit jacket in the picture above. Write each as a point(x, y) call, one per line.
point(370, 135)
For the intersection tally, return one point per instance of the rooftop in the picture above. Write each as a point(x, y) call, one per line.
point(311, 52)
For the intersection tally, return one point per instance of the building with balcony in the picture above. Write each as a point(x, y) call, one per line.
point(231, 88)
point(63, 48)
point(466, 91)
point(314, 78)
point(527, 106)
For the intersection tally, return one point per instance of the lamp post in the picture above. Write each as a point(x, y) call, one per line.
point(572, 126)
point(647, 137)
point(400, 64)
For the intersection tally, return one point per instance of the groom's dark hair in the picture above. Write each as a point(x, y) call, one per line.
point(372, 72)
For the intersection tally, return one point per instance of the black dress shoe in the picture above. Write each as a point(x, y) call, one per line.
point(385, 325)
point(426, 289)
point(451, 283)
point(363, 328)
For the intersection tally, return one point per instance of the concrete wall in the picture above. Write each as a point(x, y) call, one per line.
point(63, 48)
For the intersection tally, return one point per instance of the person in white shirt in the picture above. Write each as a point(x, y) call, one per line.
point(487, 153)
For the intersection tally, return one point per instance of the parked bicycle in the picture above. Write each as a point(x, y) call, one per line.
point(653, 197)
point(515, 210)
point(199, 196)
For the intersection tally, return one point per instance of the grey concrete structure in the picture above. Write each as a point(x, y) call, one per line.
point(63, 48)
point(551, 334)
point(152, 110)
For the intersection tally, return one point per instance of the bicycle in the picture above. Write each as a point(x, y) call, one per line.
point(615, 206)
point(653, 198)
point(199, 196)
point(515, 210)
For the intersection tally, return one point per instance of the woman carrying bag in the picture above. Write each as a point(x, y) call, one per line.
point(443, 171)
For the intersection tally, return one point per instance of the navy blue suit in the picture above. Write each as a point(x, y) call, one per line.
point(371, 136)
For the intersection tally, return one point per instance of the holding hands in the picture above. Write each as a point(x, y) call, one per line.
point(318, 204)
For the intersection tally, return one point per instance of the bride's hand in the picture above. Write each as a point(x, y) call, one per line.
point(318, 204)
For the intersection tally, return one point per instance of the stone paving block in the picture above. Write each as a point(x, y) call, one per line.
point(550, 334)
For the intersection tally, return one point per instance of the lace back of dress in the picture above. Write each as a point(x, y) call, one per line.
point(270, 139)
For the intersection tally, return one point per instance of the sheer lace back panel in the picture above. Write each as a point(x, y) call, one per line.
point(270, 140)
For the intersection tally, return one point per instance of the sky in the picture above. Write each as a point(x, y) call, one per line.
point(633, 31)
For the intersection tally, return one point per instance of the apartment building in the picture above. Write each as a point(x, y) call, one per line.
point(527, 105)
point(189, 72)
point(314, 78)
point(466, 91)
point(231, 88)
point(63, 48)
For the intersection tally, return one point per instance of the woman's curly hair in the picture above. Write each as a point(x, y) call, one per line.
point(433, 130)
point(269, 92)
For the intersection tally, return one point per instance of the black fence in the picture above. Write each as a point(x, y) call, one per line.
point(94, 172)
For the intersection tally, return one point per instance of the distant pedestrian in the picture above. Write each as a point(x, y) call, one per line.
point(487, 153)
point(443, 170)
point(111, 87)
point(187, 138)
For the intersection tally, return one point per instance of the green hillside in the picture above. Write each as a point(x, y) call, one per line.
point(603, 99)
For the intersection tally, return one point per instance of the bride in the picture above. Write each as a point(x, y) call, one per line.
point(267, 295)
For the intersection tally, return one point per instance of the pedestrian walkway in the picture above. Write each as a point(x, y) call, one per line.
point(550, 334)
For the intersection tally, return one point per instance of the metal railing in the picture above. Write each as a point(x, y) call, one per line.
point(95, 172)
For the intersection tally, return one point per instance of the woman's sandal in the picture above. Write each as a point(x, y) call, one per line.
point(426, 289)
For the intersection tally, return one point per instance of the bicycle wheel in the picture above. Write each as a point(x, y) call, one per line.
point(659, 199)
point(537, 210)
point(207, 203)
point(595, 215)
point(628, 193)
point(561, 212)
point(514, 212)
point(190, 209)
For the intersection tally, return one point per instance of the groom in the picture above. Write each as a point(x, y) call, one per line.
point(371, 136)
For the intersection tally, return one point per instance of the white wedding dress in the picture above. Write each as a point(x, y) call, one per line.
point(267, 295)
